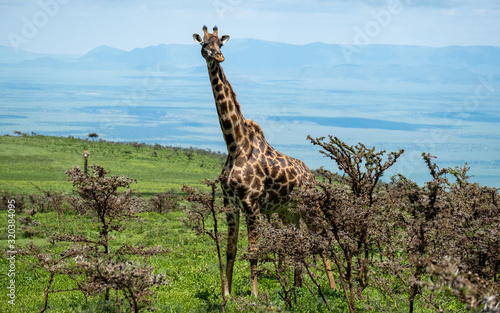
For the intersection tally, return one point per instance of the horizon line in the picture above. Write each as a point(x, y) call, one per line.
point(17, 50)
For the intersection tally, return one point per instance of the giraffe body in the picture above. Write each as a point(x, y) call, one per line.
point(266, 177)
point(256, 177)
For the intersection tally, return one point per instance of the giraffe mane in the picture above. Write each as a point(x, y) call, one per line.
point(256, 127)
point(250, 123)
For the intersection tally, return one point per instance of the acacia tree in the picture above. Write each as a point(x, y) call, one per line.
point(285, 248)
point(347, 215)
point(204, 205)
point(51, 199)
point(444, 237)
point(101, 196)
point(363, 166)
point(93, 135)
point(416, 245)
point(96, 266)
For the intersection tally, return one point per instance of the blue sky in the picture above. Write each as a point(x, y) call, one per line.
point(77, 26)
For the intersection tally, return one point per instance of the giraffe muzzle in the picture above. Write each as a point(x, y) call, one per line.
point(219, 57)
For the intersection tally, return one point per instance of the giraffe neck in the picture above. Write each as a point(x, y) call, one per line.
point(85, 166)
point(233, 124)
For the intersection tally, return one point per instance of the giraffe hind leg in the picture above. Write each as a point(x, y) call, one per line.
point(233, 223)
point(328, 269)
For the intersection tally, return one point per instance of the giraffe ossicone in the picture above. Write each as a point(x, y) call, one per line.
point(256, 177)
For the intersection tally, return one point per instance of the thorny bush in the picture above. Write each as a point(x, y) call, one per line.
point(345, 212)
point(449, 232)
point(204, 205)
point(416, 246)
point(96, 266)
point(164, 202)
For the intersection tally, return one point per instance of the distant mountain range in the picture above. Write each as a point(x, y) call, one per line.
point(388, 62)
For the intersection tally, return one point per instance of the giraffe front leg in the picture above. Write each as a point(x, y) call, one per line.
point(253, 241)
point(252, 214)
point(233, 225)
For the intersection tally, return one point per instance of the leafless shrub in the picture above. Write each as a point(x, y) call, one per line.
point(164, 202)
point(89, 261)
point(363, 166)
point(101, 196)
point(205, 204)
point(54, 265)
point(405, 233)
point(132, 279)
point(286, 248)
point(19, 201)
point(469, 287)
point(273, 249)
point(78, 204)
point(348, 215)
point(50, 200)
point(29, 226)
point(38, 203)
point(439, 222)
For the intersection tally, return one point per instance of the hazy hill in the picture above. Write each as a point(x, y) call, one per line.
point(9, 55)
point(387, 62)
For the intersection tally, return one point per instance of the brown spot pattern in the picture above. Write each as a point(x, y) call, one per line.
point(258, 179)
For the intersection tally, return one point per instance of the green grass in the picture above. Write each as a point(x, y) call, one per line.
point(191, 266)
point(42, 160)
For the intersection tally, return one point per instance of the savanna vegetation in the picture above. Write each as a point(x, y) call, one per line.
point(144, 231)
point(42, 160)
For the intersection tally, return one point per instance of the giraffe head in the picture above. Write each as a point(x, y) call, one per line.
point(211, 44)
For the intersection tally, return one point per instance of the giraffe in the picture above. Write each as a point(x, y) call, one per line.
point(256, 177)
point(85, 161)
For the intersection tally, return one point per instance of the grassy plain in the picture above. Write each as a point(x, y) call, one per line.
point(191, 265)
point(42, 160)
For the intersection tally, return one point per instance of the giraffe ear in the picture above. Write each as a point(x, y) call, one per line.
point(198, 38)
point(224, 39)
